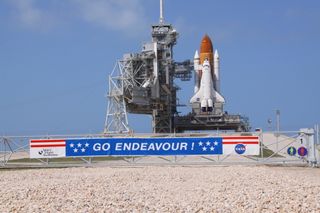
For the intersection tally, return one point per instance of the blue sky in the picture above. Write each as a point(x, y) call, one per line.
point(55, 57)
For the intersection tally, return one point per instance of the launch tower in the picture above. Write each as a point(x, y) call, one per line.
point(143, 83)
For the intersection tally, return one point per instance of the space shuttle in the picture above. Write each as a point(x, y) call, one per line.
point(207, 80)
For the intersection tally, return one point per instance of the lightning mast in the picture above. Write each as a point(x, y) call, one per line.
point(161, 12)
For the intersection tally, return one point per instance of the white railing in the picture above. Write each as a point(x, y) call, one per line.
point(14, 150)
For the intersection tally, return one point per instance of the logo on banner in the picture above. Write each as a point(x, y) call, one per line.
point(302, 151)
point(240, 149)
point(47, 148)
point(291, 151)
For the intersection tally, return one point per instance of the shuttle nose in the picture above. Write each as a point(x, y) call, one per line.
point(206, 62)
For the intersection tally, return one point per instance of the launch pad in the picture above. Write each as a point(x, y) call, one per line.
point(143, 83)
point(191, 121)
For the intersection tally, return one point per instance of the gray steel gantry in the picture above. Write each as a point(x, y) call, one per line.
point(142, 83)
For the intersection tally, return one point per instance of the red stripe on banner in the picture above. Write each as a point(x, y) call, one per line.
point(241, 142)
point(46, 141)
point(49, 145)
point(240, 137)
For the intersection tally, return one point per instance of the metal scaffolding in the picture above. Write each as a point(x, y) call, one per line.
point(116, 118)
point(143, 83)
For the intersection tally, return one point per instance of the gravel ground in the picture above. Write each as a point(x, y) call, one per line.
point(161, 189)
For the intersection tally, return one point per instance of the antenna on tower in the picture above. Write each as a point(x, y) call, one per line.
point(161, 12)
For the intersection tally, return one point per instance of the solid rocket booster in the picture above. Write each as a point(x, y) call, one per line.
point(196, 65)
point(207, 76)
point(216, 68)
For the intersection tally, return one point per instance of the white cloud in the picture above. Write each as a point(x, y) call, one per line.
point(182, 25)
point(31, 16)
point(127, 16)
point(123, 15)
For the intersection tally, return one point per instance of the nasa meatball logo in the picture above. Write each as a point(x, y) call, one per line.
point(40, 152)
point(240, 149)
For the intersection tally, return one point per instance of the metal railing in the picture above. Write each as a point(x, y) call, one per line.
point(14, 151)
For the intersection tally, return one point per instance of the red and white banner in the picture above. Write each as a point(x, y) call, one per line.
point(47, 148)
point(241, 145)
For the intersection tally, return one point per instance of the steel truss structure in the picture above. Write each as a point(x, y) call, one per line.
point(143, 83)
point(116, 117)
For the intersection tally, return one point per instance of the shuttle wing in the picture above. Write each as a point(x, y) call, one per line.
point(197, 96)
point(219, 97)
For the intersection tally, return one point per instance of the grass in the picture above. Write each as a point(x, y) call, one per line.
point(267, 153)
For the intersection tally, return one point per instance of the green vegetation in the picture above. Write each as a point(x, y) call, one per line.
point(267, 153)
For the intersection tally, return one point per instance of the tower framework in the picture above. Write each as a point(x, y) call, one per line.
point(143, 83)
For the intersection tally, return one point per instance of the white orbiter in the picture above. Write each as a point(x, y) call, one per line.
point(207, 80)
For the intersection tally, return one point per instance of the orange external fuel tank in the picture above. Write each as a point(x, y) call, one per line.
point(206, 51)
